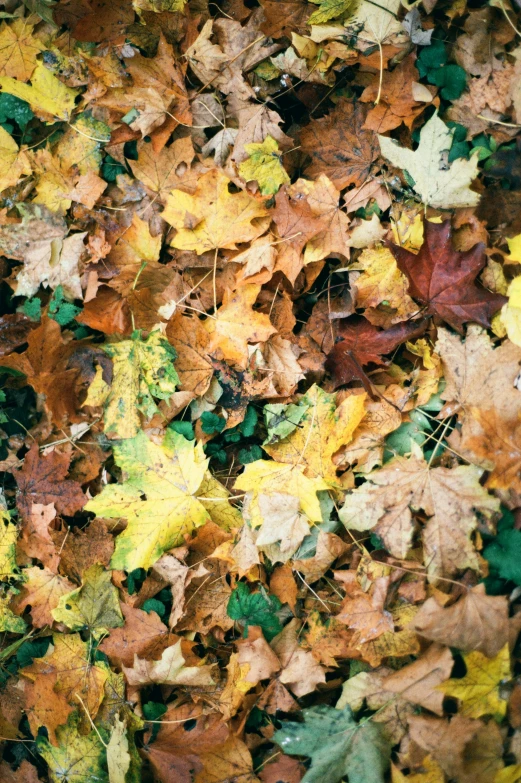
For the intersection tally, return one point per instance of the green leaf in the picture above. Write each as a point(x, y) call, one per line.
point(153, 605)
point(433, 56)
point(249, 455)
point(282, 419)
point(184, 428)
point(451, 78)
point(33, 309)
point(60, 310)
point(248, 424)
point(255, 609)
point(211, 423)
point(337, 745)
point(264, 166)
point(13, 108)
point(504, 555)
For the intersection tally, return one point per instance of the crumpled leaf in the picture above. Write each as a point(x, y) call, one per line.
point(169, 670)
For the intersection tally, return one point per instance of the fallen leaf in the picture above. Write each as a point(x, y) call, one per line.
point(478, 690)
point(443, 280)
point(437, 183)
point(339, 146)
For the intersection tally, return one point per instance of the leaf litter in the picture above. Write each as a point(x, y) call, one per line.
point(260, 391)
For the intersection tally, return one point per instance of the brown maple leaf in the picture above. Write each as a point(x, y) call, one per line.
point(397, 103)
point(175, 754)
point(14, 331)
point(42, 479)
point(44, 364)
point(340, 146)
point(360, 343)
point(444, 281)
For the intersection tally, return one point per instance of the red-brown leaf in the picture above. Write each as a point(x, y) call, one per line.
point(444, 280)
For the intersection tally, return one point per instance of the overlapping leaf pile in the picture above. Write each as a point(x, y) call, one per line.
point(260, 396)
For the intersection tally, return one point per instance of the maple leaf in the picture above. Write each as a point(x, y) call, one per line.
point(360, 343)
point(170, 669)
point(8, 537)
point(450, 497)
point(169, 476)
point(46, 94)
point(77, 758)
point(68, 666)
point(236, 324)
point(142, 634)
point(53, 264)
point(337, 745)
point(296, 224)
point(397, 102)
point(166, 171)
point(264, 166)
point(323, 199)
point(300, 671)
point(263, 478)
point(94, 605)
point(171, 755)
point(330, 9)
point(443, 279)
point(42, 479)
point(380, 281)
point(213, 217)
point(437, 183)
point(322, 430)
point(339, 146)
point(478, 690)
point(475, 622)
point(14, 163)
point(41, 590)
point(142, 370)
point(19, 49)
point(45, 365)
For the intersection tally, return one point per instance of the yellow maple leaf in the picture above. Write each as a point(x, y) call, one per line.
point(135, 250)
point(431, 773)
point(236, 324)
point(213, 217)
point(511, 311)
point(264, 166)
point(94, 605)
point(511, 774)
point(478, 690)
point(47, 96)
point(158, 497)
point(381, 285)
point(322, 430)
point(18, 49)
point(142, 371)
point(14, 163)
point(261, 478)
